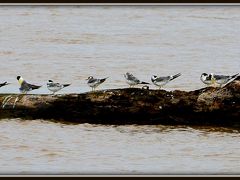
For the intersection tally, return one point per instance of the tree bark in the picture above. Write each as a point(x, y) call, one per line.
point(207, 106)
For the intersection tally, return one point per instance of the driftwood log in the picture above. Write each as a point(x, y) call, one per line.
point(207, 106)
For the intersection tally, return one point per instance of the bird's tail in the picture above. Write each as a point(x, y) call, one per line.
point(177, 75)
point(231, 79)
point(104, 79)
point(66, 85)
point(144, 82)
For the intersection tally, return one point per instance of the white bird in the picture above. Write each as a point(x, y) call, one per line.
point(132, 80)
point(93, 82)
point(54, 87)
point(221, 80)
point(161, 81)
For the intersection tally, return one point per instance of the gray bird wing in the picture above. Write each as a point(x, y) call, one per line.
point(133, 78)
point(160, 79)
point(32, 86)
point(219, 77)
point(92, 80)
point(27, 87)
point(54, 85)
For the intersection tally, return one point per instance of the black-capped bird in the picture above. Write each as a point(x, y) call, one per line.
point(54, 87)
point(220, 80)
point(26, 87)
point(161, 81)
point(93, 82)
point(132, 80)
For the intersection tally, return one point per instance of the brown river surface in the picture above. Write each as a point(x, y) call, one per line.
point(69, 43)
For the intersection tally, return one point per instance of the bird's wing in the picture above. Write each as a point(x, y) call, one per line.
point(218, 77)
point(132, 78)
point(92, 80)
point(32, 86)
point(54, 85)
point(159, 79)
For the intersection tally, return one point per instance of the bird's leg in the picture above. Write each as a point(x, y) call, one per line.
point(16, 100)
point(6, 100)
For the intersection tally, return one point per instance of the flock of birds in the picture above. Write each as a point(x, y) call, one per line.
point(208, 79)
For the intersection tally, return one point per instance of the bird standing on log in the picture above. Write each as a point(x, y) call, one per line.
point(132, 80)
point(161, 81)
point(26, 87)
point(54, 87)
point(4, 84)
point(93, 83)
point(221, 80)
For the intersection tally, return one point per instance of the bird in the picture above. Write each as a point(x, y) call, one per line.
point(54, 87)
point(161, 81)
point(4, 84)
point(93, 82)
point(26, 87)
point(132, 80)
point(220, 80)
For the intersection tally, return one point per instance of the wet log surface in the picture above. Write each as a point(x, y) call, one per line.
point(207, 106)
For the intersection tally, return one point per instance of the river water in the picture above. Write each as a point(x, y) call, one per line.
point(69, 43)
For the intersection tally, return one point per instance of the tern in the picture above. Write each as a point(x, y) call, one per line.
point(221, 80)
point(93, 82)
point(161, 81)
point(26, 87)
point(132, 80)
point(54, 87)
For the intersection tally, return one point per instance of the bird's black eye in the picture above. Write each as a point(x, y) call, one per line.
point(50, 81)
point(18, 77)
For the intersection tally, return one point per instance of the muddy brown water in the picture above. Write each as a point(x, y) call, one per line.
point(69, 43)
